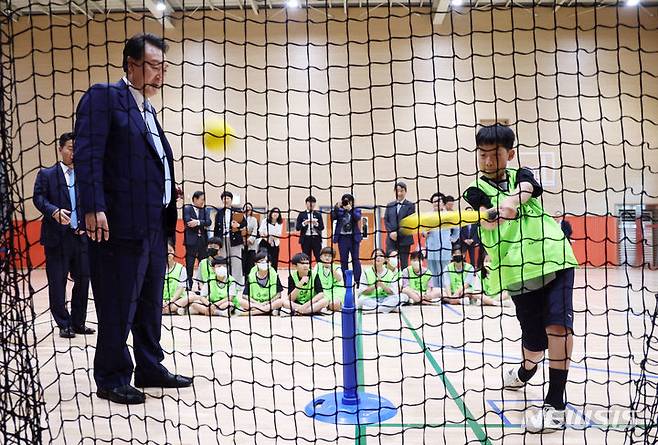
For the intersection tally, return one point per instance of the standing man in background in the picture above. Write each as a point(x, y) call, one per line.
point(197, 220)
point(310, 227)
point(64, 240)
point(231, 226)
point(127, 195)
point(396, 211)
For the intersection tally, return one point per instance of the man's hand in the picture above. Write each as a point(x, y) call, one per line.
point(393, 236)
point(193, 223)
point(62, 216)
point(97, 227)
point(468, 241)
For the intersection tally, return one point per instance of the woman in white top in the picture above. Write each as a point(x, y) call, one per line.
point(270, 234)
point(251, 239)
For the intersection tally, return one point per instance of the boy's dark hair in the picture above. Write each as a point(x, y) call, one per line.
point(416, 255)
point(347, 197)
point(262, 254)
point(456, 246)
point(219, 261)
point(311, 198)
point(63, 139)
point(135, 47)
point(441, 196)
point(198, 194)
point(448, 198)
point(216, 240)
point(497, 134)
point(329, 251)
point(300, 258)
point(400, 184)
point(226, 193)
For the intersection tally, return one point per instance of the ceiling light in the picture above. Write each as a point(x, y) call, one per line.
point(161, 6)
point(293, 3)
point(457, 2)
point(632, 2)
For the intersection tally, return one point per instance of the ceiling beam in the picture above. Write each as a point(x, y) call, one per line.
point(151, 5)
point(440, 9)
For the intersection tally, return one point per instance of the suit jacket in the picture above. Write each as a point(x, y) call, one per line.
point(338, 215)
point(392, 220)
point(566, 229)
point(237, 237)
point(117, 165)
point(191, 234)
point(51, 193)
point(469, 231)
point(303, 229)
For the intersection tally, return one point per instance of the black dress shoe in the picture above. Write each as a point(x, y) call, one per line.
point(84, 330)
point(167, 380)
point(66, 332)
point(126, 395)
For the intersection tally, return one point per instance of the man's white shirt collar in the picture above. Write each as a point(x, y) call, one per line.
point(138, 96)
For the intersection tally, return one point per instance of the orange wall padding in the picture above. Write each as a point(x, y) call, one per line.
point(595, 242)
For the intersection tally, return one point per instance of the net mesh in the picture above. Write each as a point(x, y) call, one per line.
point(327, 100)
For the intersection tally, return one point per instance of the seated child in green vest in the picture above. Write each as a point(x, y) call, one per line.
point(205, 271)
point(220, 294)
point(533, 260)
point(305, 295)
point(459, 280)
point(331, 277)
point(262, 291)
point(417, 282)
point(174, 296)
point(392, 260)
point(487, 297)
point(379, 288)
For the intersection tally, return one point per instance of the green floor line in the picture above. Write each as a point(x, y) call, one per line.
point(619, 426)
point(359, 430)
point(470, 420)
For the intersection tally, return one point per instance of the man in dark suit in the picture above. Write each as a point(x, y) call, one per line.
point(64, 240)
point(125, 168)
point(395, 212)
point(310, 227)
point(470, 242)
point(197, 220)
point(231, 226)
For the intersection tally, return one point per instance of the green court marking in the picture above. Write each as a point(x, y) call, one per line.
point(616, 426)
point(359, 430)
point(470, 420)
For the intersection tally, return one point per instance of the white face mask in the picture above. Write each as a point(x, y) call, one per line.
point(393, 262)
point(262, 266)
point(221, 271)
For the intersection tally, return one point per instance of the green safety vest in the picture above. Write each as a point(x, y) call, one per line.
point(457, 277)
point(171, 282)
point(371, 278)
point(207, 272)
point(259, 293)
point(419, 283)
point(219, 290)
point(305, 293)
point(486, 287)
point(526, 248)
point(332, 288)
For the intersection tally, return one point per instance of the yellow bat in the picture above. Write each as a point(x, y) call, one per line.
point(445, 219)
